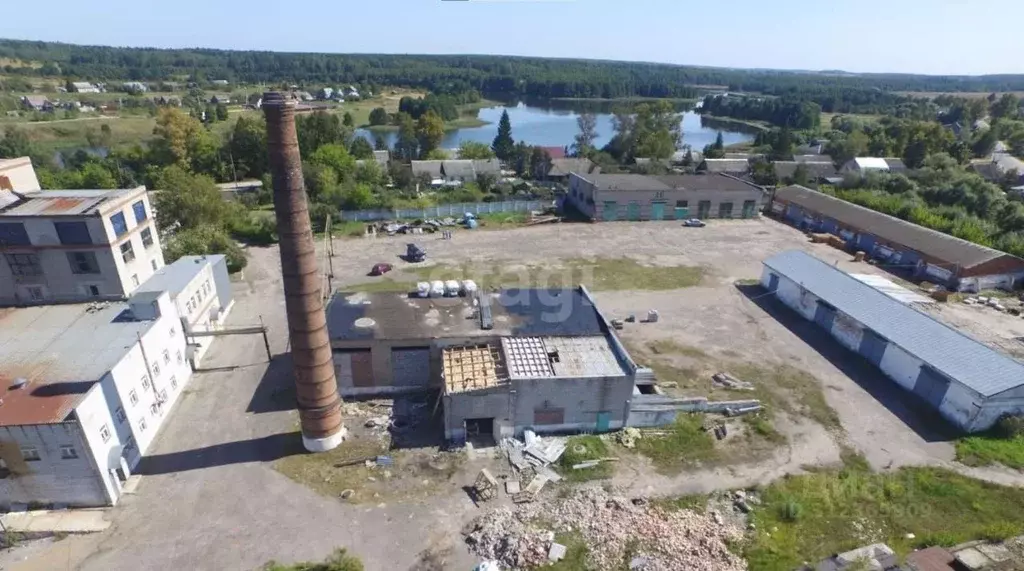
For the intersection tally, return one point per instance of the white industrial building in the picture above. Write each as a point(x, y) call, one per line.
point(201, 292)
point(67, 246)
point(971, 384)
point(16, 176)
point(84, 389)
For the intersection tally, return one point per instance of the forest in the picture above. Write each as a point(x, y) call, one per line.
point(539, 77)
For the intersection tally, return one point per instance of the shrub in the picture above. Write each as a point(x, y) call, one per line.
point(790, 511)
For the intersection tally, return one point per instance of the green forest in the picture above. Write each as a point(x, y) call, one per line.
point(539, 77)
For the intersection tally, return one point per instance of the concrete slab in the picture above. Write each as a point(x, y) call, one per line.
point(65, 521)
point(972, 559)
point(997, 552)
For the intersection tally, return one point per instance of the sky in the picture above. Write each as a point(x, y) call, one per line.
point(968, 37)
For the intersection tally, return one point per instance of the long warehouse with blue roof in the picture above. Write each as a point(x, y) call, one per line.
point(971, 384)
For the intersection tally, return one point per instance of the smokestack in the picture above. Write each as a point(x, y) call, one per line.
point(315, 385)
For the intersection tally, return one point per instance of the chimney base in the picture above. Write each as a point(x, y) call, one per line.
point(324, 444)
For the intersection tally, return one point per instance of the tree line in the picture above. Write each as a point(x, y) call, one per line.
point(487, 74)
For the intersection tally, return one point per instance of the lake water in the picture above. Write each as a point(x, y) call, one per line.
point(554, 124)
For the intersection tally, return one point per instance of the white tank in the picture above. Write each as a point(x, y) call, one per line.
point(451, 288)
point(468, 287)
point(423, 289)
point(437, 288)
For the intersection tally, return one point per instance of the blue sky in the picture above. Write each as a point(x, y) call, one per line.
point(918, 36)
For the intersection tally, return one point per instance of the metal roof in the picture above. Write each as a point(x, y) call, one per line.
point(174, 278)
point(932, 243)
point(65, 202)
point(708, 181)
point(726, 165)
point(61, 351)
point(871, 163)
point(958, 356)
point(624, 182)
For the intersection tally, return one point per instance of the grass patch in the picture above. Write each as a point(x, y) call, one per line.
point(760, 425)
point(576, 554)
point(790, 390)
point(684, 444)
point(340, 560)
point(853, 460)
point(694, 502)
point(603, 274)
point(52, 135)
point(580, 449)
point(318, 472)
point(669, 347)
point(813, 516)
point(501, 220)
point(1003, 444)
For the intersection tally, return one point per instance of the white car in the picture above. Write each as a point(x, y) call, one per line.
point(451, 288)
point(437, 288)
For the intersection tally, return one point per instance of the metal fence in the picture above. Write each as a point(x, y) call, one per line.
point(443, 210)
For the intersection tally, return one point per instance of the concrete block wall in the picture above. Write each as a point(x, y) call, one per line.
point(52, 479)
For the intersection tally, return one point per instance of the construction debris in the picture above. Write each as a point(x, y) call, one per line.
point(628, 436)
point(592, 463)
point(725, 380)
point(659, 540)
point(485, 487)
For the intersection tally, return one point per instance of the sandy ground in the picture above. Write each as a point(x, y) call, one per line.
point(213, 501)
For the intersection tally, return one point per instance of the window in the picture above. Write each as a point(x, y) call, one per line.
point(118, 223)
point(156, 369)
point(129, 444)
point(154, 409)
point(173, 332)
point(83, 263)
point(179, 357)
point(145, 382)
point(127, 253)
point(24, 264)
point(140, 211)
point(68, 452)
point(142, 425)
point(120, 415)
point(13, 234)
point(133, 397)
point(135, 280)
point(94, 290)
point(682, 204)
point(174, 381)
point(153, 263)
point(147, 237)
point(163, 396)
point(73, 233)
point(167, 357)
point(105, 433)
point(30, 454)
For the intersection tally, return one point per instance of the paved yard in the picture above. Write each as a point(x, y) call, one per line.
point(213, 501)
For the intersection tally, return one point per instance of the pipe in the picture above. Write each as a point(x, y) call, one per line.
point(312, 359)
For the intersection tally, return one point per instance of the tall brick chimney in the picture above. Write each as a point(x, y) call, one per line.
point(315, 384)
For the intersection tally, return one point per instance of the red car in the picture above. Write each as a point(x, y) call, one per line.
point(380, 269)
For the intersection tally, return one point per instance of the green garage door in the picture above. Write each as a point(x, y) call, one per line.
point(703, 209)
point(657, 211)
point(682, 210)
point(634, 211)
point(609, 210)
point(748, 208)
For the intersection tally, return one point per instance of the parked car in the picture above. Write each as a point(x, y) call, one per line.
point(694, 223)
point(380, 269)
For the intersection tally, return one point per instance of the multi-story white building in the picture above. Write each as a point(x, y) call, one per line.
point(201, 292)
point(63, 246)
point(84, 389)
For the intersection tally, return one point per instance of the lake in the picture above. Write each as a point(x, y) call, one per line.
point(553, 124)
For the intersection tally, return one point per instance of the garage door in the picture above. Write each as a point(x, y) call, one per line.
point(353, 367)
point(931, 386)
point(411, 366)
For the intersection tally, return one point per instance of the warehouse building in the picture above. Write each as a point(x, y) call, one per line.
point(970, 384)
point(608, 197)
point(84, 389)
point(544, 359)
point(921, 252)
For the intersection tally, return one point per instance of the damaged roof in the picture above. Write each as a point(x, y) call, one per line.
point(67, 202)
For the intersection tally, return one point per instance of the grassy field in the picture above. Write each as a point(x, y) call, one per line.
point(963, 94)
point(684, 444)
point(826, 118)
point(71, 133)
point(807, 518)
point(580, 449)
point(986, 449)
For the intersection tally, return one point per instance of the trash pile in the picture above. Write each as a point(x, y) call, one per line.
point(531, 461)
point(628, 436)
point(727, 381)
point(658, 540)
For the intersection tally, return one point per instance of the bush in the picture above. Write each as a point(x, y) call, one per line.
point(205, 240)
point(1010, 427)
point(790, 511)
point(255, 228)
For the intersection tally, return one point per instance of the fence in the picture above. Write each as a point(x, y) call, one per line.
point(443, 210)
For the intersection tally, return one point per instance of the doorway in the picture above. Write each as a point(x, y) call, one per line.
point(480, 431)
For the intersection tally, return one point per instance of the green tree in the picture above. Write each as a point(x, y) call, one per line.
point(715, 150)
point(429, 131)
point(782, 145)
point(984, 143)
point(763, 173)
point(474, 150)
point(407, 146)
point(205, 240)
point(380, 142)
point(347, 120)
point(361, 148)
point(503, 144)
point(222, 112)
point(335, 157)
point(801, 175)
point(183, 141)
point(657, 131)
point(583, 142)
point(15, 143)
point(1007, 107)
point(319, 128)
point(188, 200)
point(486, 182)
point(247, 147)
point(520, 161)
point(540, 163)
point(95, 175)
point(357, 197)
point(379, 116)
point(435, 155)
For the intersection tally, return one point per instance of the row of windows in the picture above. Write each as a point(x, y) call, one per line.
point(82, 263)
point(196, 300)
point(75, 232)
point(120, 224)
point(31, 453)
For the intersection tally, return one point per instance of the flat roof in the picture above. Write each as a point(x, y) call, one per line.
point(712, 181)
point(65, 202)
point(560, 357)
point(932, 243)
point(517, 312)
point(174, 278)
point(956, 355)
point(61, 351)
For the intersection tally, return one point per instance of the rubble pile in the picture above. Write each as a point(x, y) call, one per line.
point(659, 540)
